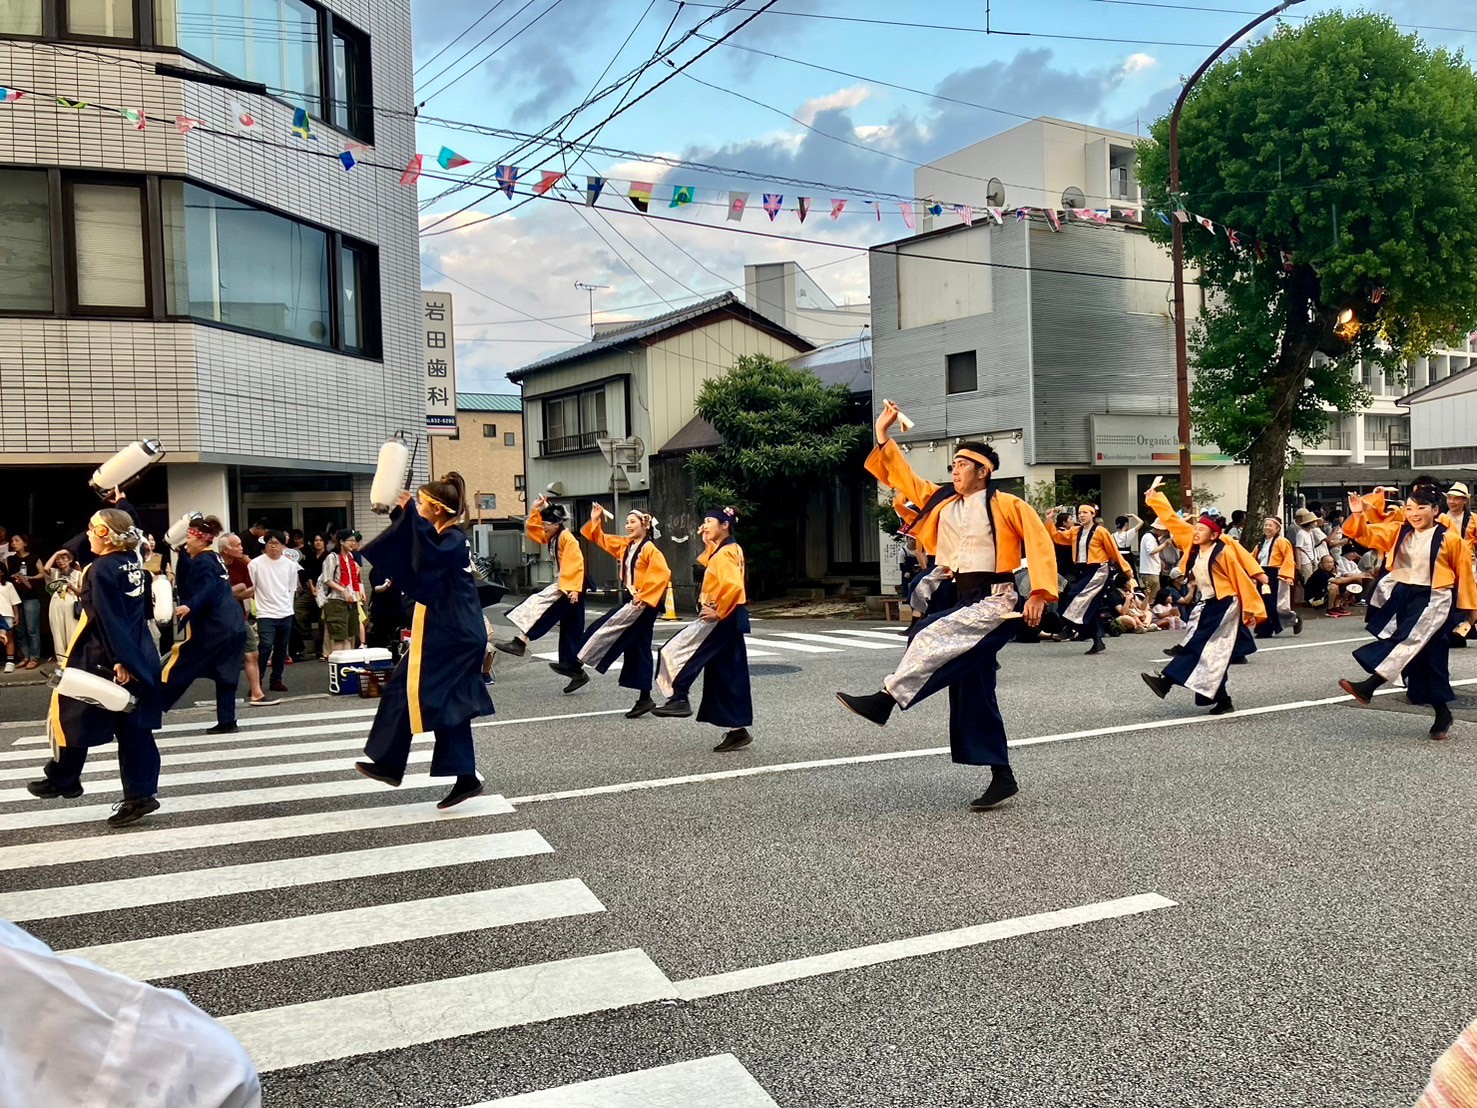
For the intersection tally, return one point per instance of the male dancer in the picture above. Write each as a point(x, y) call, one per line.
point(1093, 549)
point(981, 536)
point(1427, 584)
point(214, 639)
point(1279, 562)
point(561, 603)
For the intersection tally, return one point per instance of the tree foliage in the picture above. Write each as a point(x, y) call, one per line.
point(1354, 147)
point(785, 434)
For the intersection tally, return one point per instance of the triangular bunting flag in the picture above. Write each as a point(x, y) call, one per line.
point(682, 195)
point(75, 105)
point(908, 217)
point(1182, 215)
point(412, 172)
point(1261, 250)
point(244, 119)
point(1021, 214)
point(10, 95)
point(302, 126)
point(877, 204)
point(1130, 214)
point(547, 180)
point(803, 207)
point(998, 215)
point(507, 177)
point(347, 157)
point(737, 202)
point(772, 202)
point(1286, 260)
point(448, 158)
point(966, 213)
point(1053, 219)
point(594, 186)
point(135, 116)
point(640, 195)
point(184, 124)
point(1209, 225)
point(1233, 238)
point(1165, 216)
point(1081, 213)
point(837, 207)
point(935, 209)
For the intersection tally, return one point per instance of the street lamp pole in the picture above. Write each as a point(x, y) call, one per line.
point(1177, 234)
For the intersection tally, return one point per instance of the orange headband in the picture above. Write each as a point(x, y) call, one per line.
point(429, 499)
point(977, 459)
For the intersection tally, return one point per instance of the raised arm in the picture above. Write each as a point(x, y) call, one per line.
point(1180, 531)
point(888, 465)
point(1109, 547)
point(594, 531)
point(1359, 527)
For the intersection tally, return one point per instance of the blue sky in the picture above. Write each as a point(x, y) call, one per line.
point(551, 52)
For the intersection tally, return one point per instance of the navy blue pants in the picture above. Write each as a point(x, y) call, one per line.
point(138, 754)
point(1205, 660)
point(727, 699)
point(1420, 635)
point(274, 635)
point(976, 728)
point(633, 648)
point(570, 619)
point(192, 660)
point(389, 736)
point(1092, 620)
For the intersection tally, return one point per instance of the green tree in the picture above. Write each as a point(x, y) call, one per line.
point(1354, 148)
point(784, 435)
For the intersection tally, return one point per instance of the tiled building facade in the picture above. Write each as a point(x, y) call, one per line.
point(234, 293)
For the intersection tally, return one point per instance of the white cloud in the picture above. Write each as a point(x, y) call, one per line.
point(1137, 63)
point(841, 98)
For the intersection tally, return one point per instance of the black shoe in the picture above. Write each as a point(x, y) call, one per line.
point(1441, 729)
point(876, 707)
point(577, 682)
point(45, 790)
point(1362, 691)
point(643, 705)
point(1002, 788)
point(515, 647)
point(374, 773)
point(1238, 661)
point(736, 739)
point(1159, 684)
point(466, 787)
point(566, 671)
point(1175, 651)
point(131, 811)
point(676, 708)
point(277, 686)
point(1221, 706)
point(224, 728)
point(1297, 624)
point(1097, 648)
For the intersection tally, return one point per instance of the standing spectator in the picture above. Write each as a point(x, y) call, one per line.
point(306, 605)
point(64, 593)
point(10, 605)
point(1238, 526)
point(343, 590)
point(254, 542)
point(29, 582)
point(274, 579)
point(232, 549)
point(1309, 545)
point(4, 545)
point(386, 611)
point(1126, 533)
point(1151, 549)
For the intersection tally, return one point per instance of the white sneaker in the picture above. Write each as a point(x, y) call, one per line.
point(9, 667)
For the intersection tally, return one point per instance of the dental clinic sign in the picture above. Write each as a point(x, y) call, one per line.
point(440, 363)
point(1126, 440)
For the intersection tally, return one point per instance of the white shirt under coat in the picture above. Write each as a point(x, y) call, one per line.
point(966, 539)
point(1413, 559)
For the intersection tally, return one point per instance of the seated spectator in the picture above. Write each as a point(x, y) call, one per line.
point(1165, 612)
point(1326, 589)
point(1134, 615)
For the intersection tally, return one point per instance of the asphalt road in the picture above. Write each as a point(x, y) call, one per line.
point(1300, 930)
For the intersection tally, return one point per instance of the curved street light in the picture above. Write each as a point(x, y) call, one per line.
point(1177, 233)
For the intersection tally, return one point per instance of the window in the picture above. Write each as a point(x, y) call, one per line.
point(350, 87)
point(359, 298)
point(487, 502)
point(99, 18)
point(573, 422)
point(271, 41)
point(510, 438)
point(489, 430)
point(962, 374)
point(109, 273)
point(20, 17)
point(25, 240)
point(518, 483)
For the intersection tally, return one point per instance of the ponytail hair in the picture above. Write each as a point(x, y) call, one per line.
point(121, 533)
point(450, 492)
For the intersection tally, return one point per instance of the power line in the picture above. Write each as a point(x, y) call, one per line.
point(465, 31)
point(486, 57)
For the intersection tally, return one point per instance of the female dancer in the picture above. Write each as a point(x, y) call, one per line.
point(561, 603)
point(714, 643)
point(1427, 583)
point(625, 632)
point(1220, 569)
point(1276, 557)
point(428, 557)
point(111, 640)
point(1093, 549)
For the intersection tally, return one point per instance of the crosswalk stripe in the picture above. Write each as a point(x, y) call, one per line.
point(327, 932)
point(249, 877)
point(245, 719)
point(804, 648)
point(890, 636)
point(186, 742)
point(211, 776)
point(717, 1082)
point(58, 815)
point(170, 839)
point(409, 1015)
point(832, 640)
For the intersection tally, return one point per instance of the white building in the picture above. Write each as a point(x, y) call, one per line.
point(1443, 424)
point(786, 294)
point(235, 294)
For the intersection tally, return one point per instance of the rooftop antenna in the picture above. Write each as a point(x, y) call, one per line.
point(591, 290)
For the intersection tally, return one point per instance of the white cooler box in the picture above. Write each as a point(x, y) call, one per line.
point(342, 680)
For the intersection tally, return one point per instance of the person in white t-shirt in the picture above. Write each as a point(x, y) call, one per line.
point(1151, 550)
point(10, 602)
point(274, 578)
point(1309, 544)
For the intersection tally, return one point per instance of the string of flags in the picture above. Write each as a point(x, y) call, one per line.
point(640, 194)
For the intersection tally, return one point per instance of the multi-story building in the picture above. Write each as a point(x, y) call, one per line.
point(231, 291)
point(487, 450)
point(1443, 426)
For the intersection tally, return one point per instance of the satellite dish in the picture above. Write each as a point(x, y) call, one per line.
point(1074, 198)
point(995, 193)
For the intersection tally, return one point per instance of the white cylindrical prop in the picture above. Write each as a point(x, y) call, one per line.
point(163, 600)
point(124, 467)
point(178, 530)
point(902, 418)
point(389, 476)
point(1354, 590)
point(92, 689)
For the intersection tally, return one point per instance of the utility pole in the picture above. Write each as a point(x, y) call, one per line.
point(1177, 234)
point(591, 290)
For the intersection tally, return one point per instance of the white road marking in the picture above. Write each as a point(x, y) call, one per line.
point(247, 717)
point(170, 839)
point(832, 640)
point(717, 1082)
point(803, 648)
point(1305, 645)
point(252, 944)
point(206, 757)
point(934, 751)
point(389, 1019)
point(185, 742)
point(250, 877)
point(887, 636)
point(799, 968)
